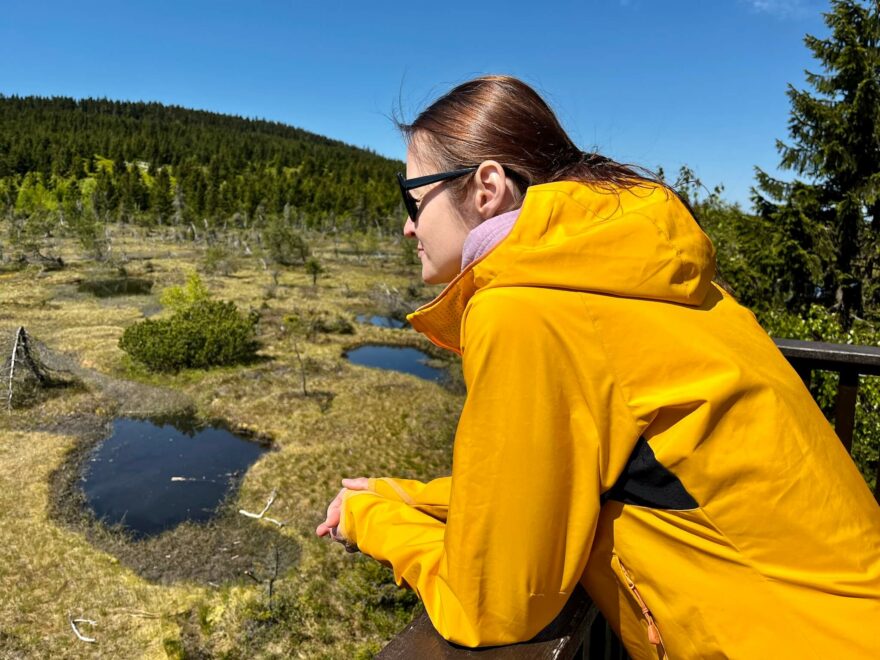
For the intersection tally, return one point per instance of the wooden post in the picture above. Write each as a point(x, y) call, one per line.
point(845, 408)
point(877, 483)
point(805, 372)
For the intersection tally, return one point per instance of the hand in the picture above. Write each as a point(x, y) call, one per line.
point(328, 527)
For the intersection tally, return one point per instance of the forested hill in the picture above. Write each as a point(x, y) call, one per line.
point(155, 164)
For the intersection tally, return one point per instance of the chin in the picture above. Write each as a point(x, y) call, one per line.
point(434, 277)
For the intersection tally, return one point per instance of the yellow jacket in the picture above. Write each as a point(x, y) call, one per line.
point(628, 426)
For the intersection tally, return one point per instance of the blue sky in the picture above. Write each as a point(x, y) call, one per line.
point(654, 82)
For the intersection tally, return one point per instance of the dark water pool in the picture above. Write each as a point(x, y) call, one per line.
point(117, 286)
point(150, 476)
point(381, 321)
point(397, 358)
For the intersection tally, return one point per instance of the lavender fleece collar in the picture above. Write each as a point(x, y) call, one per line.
point(486, 236)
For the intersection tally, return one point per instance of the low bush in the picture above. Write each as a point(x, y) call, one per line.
point(219, 260)
point(286, 246)
point(179, 298)
point(203, 334)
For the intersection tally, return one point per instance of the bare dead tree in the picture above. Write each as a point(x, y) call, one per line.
point(21, 354)
point(271, 577)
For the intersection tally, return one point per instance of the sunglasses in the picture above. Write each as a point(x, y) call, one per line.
point(410, 202)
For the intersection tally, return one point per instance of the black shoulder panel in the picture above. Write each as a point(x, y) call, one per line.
point(645, 482)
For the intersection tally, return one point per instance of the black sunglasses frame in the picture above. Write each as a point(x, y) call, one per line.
point(410, 202)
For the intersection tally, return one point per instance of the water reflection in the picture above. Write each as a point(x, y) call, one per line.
point(150, 476)
point(381, 321)
point(396, 358)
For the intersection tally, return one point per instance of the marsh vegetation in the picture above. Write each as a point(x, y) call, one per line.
point(232, 585)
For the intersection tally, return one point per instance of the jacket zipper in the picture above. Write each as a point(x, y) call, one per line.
point(653, 632)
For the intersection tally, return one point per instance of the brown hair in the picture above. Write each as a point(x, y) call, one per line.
point(501, 118)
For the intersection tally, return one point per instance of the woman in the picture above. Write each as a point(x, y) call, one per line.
point(628, 425)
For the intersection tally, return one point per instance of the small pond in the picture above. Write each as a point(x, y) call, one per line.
point(150, 476)
point(116, 286)
point(381, 321)
point(396, 358)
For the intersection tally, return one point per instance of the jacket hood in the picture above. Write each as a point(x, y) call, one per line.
point(640, 242)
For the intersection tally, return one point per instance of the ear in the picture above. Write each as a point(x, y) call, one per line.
point(491, 192)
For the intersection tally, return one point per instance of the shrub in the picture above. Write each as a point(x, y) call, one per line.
point(285, 245)
point(314, 269)
point(179, 298)
point(218, 259)
point(203, 334)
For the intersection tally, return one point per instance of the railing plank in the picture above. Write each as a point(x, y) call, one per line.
point(831, 357)
point(564, 639)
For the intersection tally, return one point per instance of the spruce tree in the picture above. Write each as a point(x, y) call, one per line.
point(829, 219)
point(160, 197)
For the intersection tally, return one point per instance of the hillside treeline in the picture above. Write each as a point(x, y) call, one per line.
point(73, 161)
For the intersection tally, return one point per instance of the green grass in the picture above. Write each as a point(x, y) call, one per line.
point(155, 598)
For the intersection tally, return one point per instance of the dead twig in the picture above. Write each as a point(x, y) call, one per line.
point(262, 514)
point(79, 635)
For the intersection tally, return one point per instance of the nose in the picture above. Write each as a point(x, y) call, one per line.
point(409, 228)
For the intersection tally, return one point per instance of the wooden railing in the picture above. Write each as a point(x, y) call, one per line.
point(580, 631)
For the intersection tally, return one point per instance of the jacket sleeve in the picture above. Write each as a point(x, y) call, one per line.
point(525, 484)
point(431, 497)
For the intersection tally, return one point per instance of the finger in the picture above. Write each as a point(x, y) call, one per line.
point(333, 515)
point(336, 503)
point(332, 518)
point(360, 483)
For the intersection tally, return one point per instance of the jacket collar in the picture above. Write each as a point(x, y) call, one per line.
point(637, 242)
point(440, 319)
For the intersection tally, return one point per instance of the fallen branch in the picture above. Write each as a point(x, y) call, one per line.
point(262, 514)
point(79, 635)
